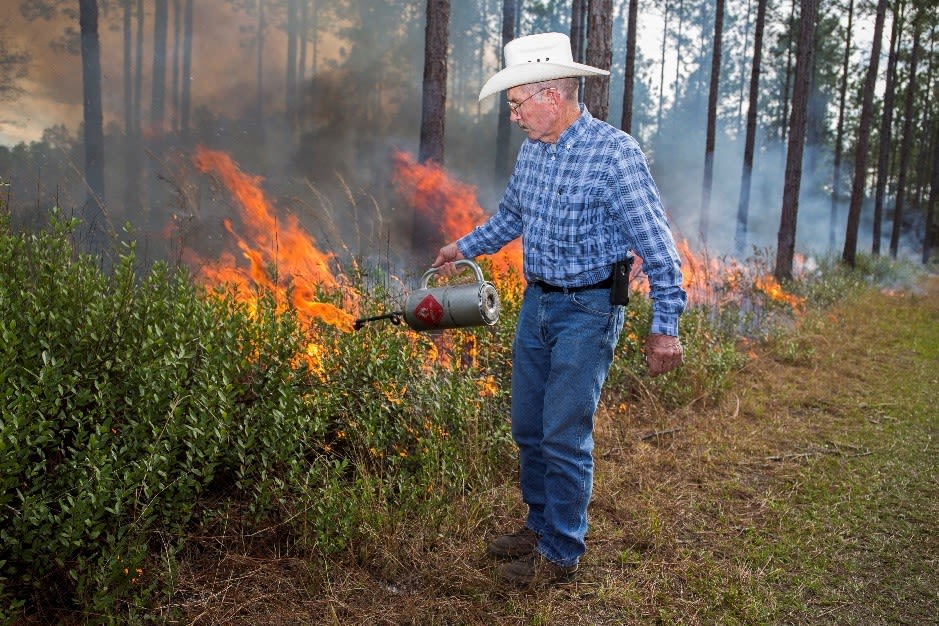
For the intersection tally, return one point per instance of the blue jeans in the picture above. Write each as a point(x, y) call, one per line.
point(562, 352)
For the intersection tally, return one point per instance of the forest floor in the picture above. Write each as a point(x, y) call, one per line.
point(808, 495)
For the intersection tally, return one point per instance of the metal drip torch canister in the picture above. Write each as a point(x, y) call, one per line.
point(453, 306)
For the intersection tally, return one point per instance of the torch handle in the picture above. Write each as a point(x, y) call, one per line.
point(466, 262)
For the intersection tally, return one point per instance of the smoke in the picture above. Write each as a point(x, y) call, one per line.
point(362, 101)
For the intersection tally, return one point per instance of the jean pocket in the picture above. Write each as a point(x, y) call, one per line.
point(594, 301)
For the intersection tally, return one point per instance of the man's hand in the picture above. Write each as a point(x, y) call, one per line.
point(663, 353)
point(445, 258)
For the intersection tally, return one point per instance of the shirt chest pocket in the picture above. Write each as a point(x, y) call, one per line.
point(577, 220)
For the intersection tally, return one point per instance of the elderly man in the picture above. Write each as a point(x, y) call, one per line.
point(582, 199)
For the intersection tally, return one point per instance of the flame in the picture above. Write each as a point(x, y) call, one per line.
point(283, 259)
point(449, 205)
point(716, 281)
point(771, 287)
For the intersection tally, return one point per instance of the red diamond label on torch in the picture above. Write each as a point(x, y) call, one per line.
point(429, 311)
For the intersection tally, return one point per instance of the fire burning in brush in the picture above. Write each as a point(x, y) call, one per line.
point(716, 281)
point(448, 205)
point(282, 257)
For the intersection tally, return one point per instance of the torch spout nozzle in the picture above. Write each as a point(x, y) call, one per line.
point(394, 318)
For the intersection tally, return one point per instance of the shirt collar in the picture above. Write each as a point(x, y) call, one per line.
point(576, 130)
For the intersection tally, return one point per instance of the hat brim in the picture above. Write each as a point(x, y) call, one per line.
point(526, 73)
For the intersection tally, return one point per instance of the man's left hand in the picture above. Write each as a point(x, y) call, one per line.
point(663, 353)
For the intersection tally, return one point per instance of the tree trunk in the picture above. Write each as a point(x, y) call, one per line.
point(659, 110)
point(185, 101)
point(711, 121)
point(907, 141)
point(743, 63)
point(743, 204)
point(434, 108)
point(839, 135)
point(138, 73)
point(503, 166)
point(933, 197)
point(599, 54)
point(630, 71)
point(128, 41)
point(435, 81)
point(784, 122)
point(785, 249)
point(578, 29)
point(301, 63)
point(886, 130)
point(93, 121)
point(131, 192)
point(259, 106)
point(177, 60)
point(679, 46)
point(849, 254)
point(290, 94)
point(158, 95)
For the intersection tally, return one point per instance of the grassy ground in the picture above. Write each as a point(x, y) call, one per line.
point(809, 494)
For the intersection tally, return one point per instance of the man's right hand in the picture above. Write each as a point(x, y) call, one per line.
point(445, 258)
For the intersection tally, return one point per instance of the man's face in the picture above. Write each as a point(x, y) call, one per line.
point(535, 111)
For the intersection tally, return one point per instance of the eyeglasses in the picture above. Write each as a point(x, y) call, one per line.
point(515, 106)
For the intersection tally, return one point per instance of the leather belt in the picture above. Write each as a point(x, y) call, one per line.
point(606, 283)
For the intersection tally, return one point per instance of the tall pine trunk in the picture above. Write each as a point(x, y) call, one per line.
point(849, 254)
point(433, 113)
point(839, 134)
point(503, 131)
point(158, 92)
point(709, 144)
point(290, 95)
point(906, 142)
point(259, 105)
point(579, 29)
point(185, 103)
point(886, 128)
point(138, 73)
point(660, 109)
point(785, 247)
point(933, 196)
point(93, 120)
point(743, 203)
point(177, 61)
point(629, 87)
point(599, 54)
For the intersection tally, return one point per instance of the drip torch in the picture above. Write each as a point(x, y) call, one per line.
point(450, 306)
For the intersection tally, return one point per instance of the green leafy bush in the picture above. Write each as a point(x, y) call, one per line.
point(124, 400)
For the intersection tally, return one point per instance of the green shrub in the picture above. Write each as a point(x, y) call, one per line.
point(126, 398)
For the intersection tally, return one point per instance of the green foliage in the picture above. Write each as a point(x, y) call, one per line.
point(126, 399)
point(711, 357)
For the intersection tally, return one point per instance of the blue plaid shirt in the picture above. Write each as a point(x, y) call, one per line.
point(581, 204)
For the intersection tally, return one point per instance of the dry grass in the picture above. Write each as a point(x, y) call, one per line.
point(807, 495)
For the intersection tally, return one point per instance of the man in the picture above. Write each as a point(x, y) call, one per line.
point(581, 197)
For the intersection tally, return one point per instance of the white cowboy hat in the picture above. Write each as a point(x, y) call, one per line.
point(535, 58)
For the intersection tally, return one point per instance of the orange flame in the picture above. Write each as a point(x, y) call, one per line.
point(449, 205)
point(715, 281)
point(771, 287)
point(282, 257)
